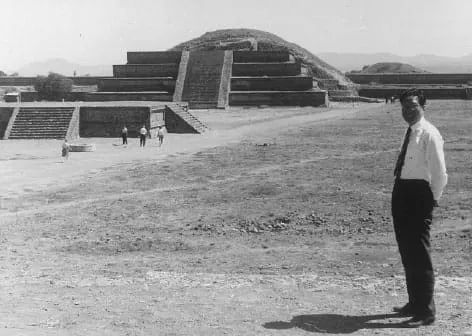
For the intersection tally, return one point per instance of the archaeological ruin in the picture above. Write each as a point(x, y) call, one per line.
point(155, 88)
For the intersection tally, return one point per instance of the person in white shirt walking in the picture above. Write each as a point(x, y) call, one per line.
point(160, 134)
point(142, 136)
point(420, 177)
point(124, 135)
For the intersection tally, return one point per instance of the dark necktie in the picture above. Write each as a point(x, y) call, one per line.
point(401, 158)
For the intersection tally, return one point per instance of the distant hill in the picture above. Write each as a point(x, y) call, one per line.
point(246, 39)
point(64, 67)
point(356, 61)
point(390, 67)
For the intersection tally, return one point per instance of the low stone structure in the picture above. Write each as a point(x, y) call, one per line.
point(429, 91)
point(435, 86)
point(95, 119)
point(412, 78)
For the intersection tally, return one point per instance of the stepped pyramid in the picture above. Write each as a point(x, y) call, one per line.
point(212, 79)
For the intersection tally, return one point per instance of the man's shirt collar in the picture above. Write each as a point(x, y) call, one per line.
point(418, 124)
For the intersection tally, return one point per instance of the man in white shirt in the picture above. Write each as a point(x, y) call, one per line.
point(142, 136)
point(420, 177)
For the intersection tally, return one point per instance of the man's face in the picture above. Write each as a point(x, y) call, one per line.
point(412, 110)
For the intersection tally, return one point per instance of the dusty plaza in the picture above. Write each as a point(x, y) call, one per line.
point(276, 221)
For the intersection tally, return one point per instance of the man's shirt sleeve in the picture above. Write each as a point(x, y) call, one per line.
point(436, 165)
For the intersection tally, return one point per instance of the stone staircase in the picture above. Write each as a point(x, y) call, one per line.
point(180, 114)
point(41, 123)
point(202, 80)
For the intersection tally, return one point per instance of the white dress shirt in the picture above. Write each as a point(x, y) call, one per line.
point(424, 159)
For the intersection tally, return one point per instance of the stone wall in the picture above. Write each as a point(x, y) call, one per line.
point(294, 83)
point(137, 84)
point(328, 84)
point(341, 93)
point(128, 96)
point(175, 124)
point(5, 114)
point(107, 121)
point(29, 96)
point(156, 118)
point(266, 69)
point(29, 81)
point(33, 96)
point(153, 57)
point(260, 56)
point(431, 78)
point(146, 70)
point(430, 93)
point(17, 81)
point(88, 80)
point(278, 98)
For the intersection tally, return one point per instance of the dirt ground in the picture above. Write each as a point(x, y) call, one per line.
point(275, 222)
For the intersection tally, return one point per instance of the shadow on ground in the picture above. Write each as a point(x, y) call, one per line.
point(336, 324)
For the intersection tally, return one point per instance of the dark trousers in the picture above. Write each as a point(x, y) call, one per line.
point(125, 138)
point(412, 210)
point(142, 140)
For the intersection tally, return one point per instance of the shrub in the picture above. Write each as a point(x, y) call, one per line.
point(53, 87)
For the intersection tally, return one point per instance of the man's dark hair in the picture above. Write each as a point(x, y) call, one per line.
point(413, 92)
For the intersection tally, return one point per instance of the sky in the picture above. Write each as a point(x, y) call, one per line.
point(99, 32)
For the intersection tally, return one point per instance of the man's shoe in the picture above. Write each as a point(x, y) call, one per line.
point(418, 321)
point(406, 310)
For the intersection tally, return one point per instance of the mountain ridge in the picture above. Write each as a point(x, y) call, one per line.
point(63, 67)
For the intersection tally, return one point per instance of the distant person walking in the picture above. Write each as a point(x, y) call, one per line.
point(142, 136)
point(161, 130)
point(124, 135)
point(65, 150)
point(420, 178)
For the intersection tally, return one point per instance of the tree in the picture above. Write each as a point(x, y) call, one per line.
point(14, 74)
point(54, 87)
point(2, 74)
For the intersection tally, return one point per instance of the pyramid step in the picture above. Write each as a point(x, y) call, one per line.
point(146, 70)
point(21, 130)
point(278, 98)
point(149, 84)
point(43, 118)
point(41, 133)
point(41, 123)
point(266, 69)
point(51, 128)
